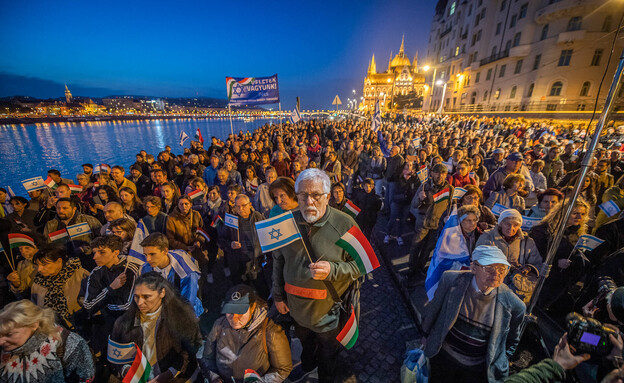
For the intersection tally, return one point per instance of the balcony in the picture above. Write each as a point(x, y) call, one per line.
point(496, 57)
point(568, 37)
point(520, 51)
point(566, 9)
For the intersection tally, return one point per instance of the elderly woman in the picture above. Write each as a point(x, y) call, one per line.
point(568, 266)
point(283, 192)
point(35, 349)
point(509, 196)
point(468, 217)
point(164, 327)
point(474, 196)
point(519, 248)
point(246, 331)
point(57, 282)
point(338, 196)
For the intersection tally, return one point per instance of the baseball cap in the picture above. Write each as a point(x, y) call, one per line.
point(237, 300)
point(489, 255)
point(515, 156)
point(499, 150)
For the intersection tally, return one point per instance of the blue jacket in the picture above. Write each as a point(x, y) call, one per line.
point(209, 175)
point(442, 311)
point(183, 275)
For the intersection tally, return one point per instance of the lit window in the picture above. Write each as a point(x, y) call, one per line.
point(452, 10)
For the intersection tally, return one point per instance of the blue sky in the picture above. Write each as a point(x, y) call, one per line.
point(186, 48)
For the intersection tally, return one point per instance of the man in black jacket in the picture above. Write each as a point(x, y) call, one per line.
point(142, 182)
point(393, 172)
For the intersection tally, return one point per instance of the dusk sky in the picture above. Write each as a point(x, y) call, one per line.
point(186, 48)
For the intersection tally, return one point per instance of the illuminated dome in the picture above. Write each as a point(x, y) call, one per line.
point(400, 60)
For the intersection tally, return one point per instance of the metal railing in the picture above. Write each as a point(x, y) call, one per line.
point(491, 59)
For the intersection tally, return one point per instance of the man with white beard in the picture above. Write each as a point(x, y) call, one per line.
point(301, 281)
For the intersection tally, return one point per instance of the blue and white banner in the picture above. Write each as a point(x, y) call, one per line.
point(252, 90)
point(78, 229)
point(33, 184)
point(135, 254)
point(183, 138)
point(423, 175)
point(459, 192)
point(588, 242)
point(498, 208)
point(451, 253)
point(277, 232)
point(10, 192)
point(231, 221)
point(610, 208)
point(120, 353)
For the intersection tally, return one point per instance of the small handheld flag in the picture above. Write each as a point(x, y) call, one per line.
point(277, 232)
point(10, 192)
point(423, 175)
point(351, 209)
point(198, 136)
point(588, 242)
point(18, 239)
point(120, 353)
point(355, 243)
point(58, 235)
point(140, 370)
point(529, 222)
point(498, 208)
point(183, 138)
point(349, 333)
point(195, 194)
point(75, 188)
point(231, 221)
point(135, 254)
point(203, 233)
point(458, 193)
point(78, 229)
point(49, 182)
point(252, 376)
point(442, 195)
point(610, 208)
point(376, 123)
point(33, 184)
point(216, 221)
point(295, 116)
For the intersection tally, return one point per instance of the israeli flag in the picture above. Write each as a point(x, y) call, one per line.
point(588, 242)
point(498, 208)
point(277, 232)
point(610, 208)
point(120, 353)
point(135, 254)
point(183, 138)
point(78, 229)
point(423, 175)
point(451, 253)
point(295, 116)
point(33, 184)
point(231, 221)
point(376, 123)
point(529, 222)
point(10, 192)
point(458, 193)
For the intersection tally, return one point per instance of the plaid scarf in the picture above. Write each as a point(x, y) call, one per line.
point(55, 296)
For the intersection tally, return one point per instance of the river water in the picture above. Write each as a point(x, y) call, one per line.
point(30, 150)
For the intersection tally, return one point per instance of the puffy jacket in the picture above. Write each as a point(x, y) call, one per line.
point(428, 213)
point(182, 229)
point(261, 346)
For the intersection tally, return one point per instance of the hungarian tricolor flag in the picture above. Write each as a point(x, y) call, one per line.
point(18, 239)
point(196, 194)
point(75, 188)
point(351, 209)
point(216, 221)
point(349, 333)
point(58, 235)
point(140, 370)
point(442, 195)
point(251, 376)
point(198, 136)
point(203, 233)
point(355, 243)
point(49, 182)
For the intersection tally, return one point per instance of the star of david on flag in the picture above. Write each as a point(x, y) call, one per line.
point(120, 353)
point(277, 232)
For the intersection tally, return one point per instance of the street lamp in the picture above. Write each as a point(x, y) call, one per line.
point(426, 69)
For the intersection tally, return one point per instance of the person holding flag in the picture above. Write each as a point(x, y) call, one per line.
point(246, 331)
point(308, 272)
point(22, 278)
point(430, 205)
point(164, 331)
point(22, 218)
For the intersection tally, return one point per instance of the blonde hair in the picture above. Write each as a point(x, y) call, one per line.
point(24, 313)
point(553, 216)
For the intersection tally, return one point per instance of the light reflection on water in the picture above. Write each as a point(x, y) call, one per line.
point(30, 150)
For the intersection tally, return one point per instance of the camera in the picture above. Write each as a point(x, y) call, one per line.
point(589, 336)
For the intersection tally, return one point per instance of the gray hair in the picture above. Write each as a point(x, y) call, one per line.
point(241, 197)
point(193, 157)
point(314, 174)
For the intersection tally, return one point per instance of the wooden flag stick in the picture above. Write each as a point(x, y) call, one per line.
point(10, 260)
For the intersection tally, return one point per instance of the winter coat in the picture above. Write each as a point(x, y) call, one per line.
point(501, 197)
point(370, 204)
point(521, 251)
point(182, 229)
point(429, 214)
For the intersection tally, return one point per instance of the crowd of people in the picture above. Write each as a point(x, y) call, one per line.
point(154, 242)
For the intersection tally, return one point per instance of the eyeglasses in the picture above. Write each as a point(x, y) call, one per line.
point(305, 196)
point(491, 269)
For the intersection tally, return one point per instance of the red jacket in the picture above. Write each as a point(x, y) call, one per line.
point(459, 182)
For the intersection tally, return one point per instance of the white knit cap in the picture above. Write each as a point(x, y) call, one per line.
point(513, 213)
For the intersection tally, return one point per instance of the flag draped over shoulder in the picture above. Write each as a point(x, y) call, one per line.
point(355, 243)
point(451, 253)
point(277, 232)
